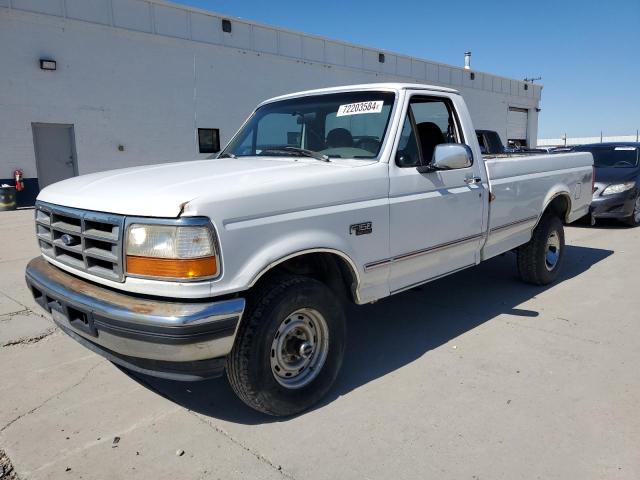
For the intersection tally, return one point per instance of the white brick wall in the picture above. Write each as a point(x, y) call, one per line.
point(586, 140)
point(146, 74)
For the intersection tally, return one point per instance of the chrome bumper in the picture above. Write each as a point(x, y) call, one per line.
point(179, 340)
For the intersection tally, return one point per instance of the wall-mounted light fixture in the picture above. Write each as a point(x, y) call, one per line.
point(46, 64)
point(381, 57)
point(472, 76)
point(226, 25)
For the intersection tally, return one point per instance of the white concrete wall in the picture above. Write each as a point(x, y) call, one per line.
point(586, 140)
point(146, 74)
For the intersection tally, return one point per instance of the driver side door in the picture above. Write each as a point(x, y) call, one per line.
point(436, 217)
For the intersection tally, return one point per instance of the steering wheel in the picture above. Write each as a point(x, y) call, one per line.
point(368, 144)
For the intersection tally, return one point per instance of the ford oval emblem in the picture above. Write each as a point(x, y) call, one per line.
point(68, 240)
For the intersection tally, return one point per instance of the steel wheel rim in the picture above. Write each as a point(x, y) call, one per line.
point(299, 348)
point(552, 252)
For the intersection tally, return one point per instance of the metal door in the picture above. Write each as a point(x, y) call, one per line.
point(517, 120)
point(436, 220)
point(54, 146)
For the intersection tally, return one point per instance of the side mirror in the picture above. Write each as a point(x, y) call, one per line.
point(449, 156)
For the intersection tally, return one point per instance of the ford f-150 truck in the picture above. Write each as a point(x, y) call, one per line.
point(243, 263)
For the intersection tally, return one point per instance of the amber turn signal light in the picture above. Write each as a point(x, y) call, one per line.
point(172, 267)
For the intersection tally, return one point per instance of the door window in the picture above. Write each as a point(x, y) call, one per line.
point(429, 123)
point(407, 154)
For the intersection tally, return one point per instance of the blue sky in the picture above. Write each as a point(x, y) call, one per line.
point(585, 51)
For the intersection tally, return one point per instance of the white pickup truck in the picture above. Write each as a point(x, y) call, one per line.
point(243, 263)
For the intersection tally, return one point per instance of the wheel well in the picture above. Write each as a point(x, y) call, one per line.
point(328, 268)
point(559, 206)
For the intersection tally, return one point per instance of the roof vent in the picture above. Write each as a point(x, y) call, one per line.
point(467, 60)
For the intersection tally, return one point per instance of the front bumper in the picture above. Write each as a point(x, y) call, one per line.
point(619, 205)
point(160, 337)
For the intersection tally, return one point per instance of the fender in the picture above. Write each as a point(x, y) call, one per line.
point(344, 256)
point(282, 249)
point(557, 191)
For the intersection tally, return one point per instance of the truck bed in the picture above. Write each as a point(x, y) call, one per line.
point(523, 185)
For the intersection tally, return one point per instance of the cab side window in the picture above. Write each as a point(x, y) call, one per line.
point(429, 123)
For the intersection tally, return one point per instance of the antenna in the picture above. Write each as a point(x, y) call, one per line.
point(532, 79)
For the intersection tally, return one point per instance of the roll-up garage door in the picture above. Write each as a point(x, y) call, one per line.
point(517, 124)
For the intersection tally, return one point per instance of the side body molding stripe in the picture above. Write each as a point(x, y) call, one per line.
point(513, 224)
point(442, 246)
point(418, 253)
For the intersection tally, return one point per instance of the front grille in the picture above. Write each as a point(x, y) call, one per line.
point(82, 239)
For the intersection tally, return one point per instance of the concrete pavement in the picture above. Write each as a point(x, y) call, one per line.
point(473, 376)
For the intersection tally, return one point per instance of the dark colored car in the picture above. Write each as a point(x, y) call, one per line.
point(617, 181)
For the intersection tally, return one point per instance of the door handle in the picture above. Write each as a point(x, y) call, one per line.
point(473, 180)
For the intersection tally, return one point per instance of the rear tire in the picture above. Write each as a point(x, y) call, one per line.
point(634, 219)
point(540, 259)
point(289, 346)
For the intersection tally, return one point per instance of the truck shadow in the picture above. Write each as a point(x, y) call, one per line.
point(394, 332)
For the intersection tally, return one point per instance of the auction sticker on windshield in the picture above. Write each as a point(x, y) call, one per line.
point(359, 108)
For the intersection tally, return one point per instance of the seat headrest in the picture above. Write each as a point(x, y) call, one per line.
point(339, 137)
point(430, 136)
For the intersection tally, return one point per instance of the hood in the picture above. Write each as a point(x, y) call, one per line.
point(163, 190)
point(611, 175)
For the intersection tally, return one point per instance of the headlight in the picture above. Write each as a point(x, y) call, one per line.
point(618, 188)
point(173, 252)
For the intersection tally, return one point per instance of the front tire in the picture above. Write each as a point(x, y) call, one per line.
point(289, 346)
point(540, 259)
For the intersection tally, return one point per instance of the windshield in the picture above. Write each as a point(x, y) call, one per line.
point(338, 125)
point(618, 157)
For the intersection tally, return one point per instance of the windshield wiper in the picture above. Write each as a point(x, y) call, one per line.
point(227, 155)
point(301, 151)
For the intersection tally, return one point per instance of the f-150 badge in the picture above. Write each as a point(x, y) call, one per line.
point(364, 228)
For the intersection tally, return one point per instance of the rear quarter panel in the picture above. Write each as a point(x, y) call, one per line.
point(524, 186)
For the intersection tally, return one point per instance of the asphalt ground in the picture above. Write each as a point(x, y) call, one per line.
point(475, 376)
